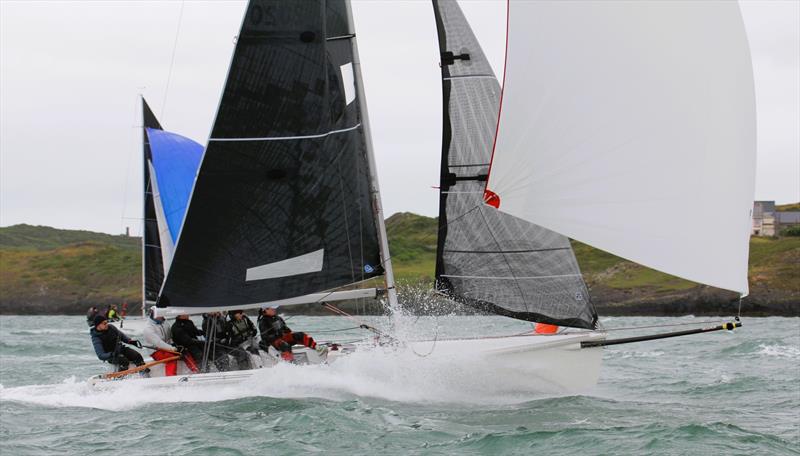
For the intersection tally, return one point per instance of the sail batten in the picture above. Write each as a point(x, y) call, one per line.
point(641, 142)
point(487, 259)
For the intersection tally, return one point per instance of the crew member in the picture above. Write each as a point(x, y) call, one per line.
point(275, 333)
point(107, 341)
point(111, 314)
point(90, 314)
point(215, 329)
point(185, 336)
point(241, 338)
point(158, 336)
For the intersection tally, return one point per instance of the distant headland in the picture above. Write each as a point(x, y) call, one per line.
point(45, 270)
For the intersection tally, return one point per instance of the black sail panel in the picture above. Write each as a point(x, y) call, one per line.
point(281, 205)
point(153, 266)
point(485, 258)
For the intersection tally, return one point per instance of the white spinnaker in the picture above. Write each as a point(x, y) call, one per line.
point(631, 126)
point(167, 247)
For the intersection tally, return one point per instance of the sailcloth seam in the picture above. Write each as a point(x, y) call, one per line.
point(287, 138)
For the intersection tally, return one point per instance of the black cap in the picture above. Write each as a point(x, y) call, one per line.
point(99, 319)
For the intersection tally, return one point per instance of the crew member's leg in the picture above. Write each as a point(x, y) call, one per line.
point(132, 355)
point(301, 338)
point(171, 367)
point(285, 348)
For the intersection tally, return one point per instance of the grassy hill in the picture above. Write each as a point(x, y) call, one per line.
point(47, 270)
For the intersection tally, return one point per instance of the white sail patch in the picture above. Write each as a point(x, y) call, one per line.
point(303, 264)
point(167, 247)
point(349, 82)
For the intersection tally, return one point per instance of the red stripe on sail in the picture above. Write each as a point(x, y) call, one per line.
point(490, 197)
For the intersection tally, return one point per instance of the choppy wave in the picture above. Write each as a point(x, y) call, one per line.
point(47, 331)
point(780, 351)
point(704, 394)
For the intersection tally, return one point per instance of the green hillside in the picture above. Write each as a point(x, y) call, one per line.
point(29, 237)
point(412, 241)
point(47, 270)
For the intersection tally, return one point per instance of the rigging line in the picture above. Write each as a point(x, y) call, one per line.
point(362, 325)
point(739, 314)
point(127, 176)
point(338, 330)
point(346, 221)
point(440, 229)
point(433, 347)
point(172, 60)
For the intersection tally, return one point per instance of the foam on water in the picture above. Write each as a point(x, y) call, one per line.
point(733, 392)
point(393, 375)
point(780, 351)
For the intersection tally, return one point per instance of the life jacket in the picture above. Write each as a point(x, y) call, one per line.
point(241, 330)
point(272, 328)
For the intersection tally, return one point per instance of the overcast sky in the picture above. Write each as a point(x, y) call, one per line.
point(71, 72)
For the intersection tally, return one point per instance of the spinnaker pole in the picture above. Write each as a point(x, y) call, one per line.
point(377, 208)
point(730, 326)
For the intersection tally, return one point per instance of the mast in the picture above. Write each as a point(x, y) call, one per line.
point(144, 208)
point(377, 207)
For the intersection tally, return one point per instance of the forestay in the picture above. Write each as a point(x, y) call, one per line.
point(281, 205)
point(631, 126)
point(486, 258)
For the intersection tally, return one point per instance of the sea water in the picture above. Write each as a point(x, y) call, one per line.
point(716, 393)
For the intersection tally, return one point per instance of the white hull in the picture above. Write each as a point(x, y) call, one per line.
point(185, 377)
point(524, 365)
point(550, 364)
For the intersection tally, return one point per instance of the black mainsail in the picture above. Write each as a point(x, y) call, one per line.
point(152, 263)
point(485, 258)
point(282, 204)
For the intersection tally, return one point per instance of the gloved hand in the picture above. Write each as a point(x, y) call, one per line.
point(136, 343)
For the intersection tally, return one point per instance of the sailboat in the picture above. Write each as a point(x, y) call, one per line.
point(621, 116)
point(611, 128)
point(285, 207)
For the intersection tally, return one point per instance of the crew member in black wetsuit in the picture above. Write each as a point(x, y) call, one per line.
point(107, 341)
point(185, 335)
point(275, 333)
